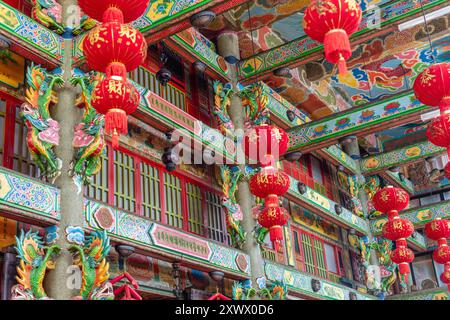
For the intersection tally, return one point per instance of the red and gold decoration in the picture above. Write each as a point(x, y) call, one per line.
point(269, 181)
point(331, 22)
point(128, 289)
point(265, 144)
point(439, 230)
point(391, 200)
point(432, 86)
point(273, 218)
point(115, 48)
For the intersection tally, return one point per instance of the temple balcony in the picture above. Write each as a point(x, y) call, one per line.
point(306, 286)
point(429, 294)
point(29, 38)
point(28, 200)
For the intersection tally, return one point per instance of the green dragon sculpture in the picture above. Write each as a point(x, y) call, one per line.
point(230, 177)
point(42, 134)
point(255, 101)
point(91, 258)
point(35, 260)
point(276, 290)
point(48, 13)
point(243, 290)
point(88, 139)
point(222, 95)
point(383, 248)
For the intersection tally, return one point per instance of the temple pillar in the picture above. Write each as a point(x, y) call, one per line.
point(228, 46)
point(60, 282)
point(243, 194)
point(8, 273)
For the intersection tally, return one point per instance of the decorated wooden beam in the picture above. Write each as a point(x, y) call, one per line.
point(397, 180)
point(166, 242)
point(166, 116)
point(418, 216)
point(165, 18)
point(361, 121)
point(29, 38)
point(407, 155)
point(430, 294)
point(193, 46)
point(303, 48)
point(28, 200)
point(326, 208)
point(307, 286)
point(336, 157)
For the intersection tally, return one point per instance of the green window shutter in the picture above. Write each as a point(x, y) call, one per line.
point(98, 188)
point(151, 198)
point(194, 205)
point(308, 252)
point(216, 226)
point(320, 260)
point(172, 198)
point(124, 193)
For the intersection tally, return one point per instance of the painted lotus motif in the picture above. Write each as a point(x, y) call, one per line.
point(342, 123)
point(392, 108)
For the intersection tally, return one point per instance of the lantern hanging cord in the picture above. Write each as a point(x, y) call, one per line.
point(426, 30)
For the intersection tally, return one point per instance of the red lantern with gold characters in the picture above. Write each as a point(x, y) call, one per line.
point(274, 217)
point(105, 10)
point(269, 181)
point(391, 200)
point(331, 22)
point(114, 45)
point(115, 98)
point(439, 230)
point(432, 86)
point(402, 256)
point(397, 228)
point(265, 144)
point(438, 131)
point(445, 276)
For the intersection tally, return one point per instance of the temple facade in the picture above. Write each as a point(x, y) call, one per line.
point(168, 212)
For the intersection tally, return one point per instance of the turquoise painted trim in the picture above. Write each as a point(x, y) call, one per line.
point(352, 121)
point(141, 231)
point(300, 282)
point(399, 157)
point(40, 40)
point(30, 195)
point(327, 206)
point(432, 294)
point(341, 157)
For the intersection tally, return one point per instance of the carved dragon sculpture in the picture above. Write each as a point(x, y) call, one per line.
point(35, 259)
point(91, 258)
point(255, 102)
point(42, 134)
point(243, 290)
point(88, 138)
point(48, 13)
point(230, 177)
point(383, 248)
point(221, 103)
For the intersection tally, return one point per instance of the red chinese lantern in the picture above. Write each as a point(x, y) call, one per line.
point(445, 276)
point(442, 254)
point(432, 86)
point(269, 181)
point(438, 131)
point(274, 217)
point(115, 97)
point(105, 10)
point(402, 256)
point(265, 144)
point(391, 200)
point(331, 22)
point(114, 48)
point(438, 229)
point(397, 228)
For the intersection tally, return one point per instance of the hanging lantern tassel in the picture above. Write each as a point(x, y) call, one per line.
point(276, 236)
point(404, 269)
point(337, 49)
point(116, 123)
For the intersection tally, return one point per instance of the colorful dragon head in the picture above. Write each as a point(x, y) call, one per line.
point(35, 259)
